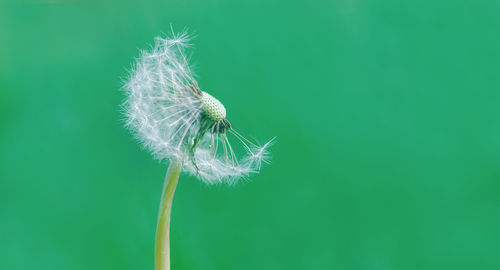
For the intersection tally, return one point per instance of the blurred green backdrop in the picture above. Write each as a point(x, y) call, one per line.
point(386, 115)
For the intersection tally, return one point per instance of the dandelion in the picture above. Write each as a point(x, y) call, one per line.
point(177, 121)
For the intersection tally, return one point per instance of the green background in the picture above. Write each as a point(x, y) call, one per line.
point(387, 117)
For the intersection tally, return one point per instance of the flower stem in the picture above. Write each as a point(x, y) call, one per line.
point(162, 245)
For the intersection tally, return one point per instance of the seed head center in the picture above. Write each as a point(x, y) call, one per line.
point(212, 107)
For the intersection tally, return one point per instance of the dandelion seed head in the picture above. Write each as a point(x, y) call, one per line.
point(173, 118)
point(212, 107)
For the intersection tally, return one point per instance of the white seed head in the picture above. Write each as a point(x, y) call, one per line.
point(212, 107)
point(173, 118)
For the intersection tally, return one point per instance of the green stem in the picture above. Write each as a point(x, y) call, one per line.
point(162, 246)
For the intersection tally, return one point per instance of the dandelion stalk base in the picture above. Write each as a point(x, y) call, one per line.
point(162, 243)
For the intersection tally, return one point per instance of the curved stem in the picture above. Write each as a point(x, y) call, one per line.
point(162, 246)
